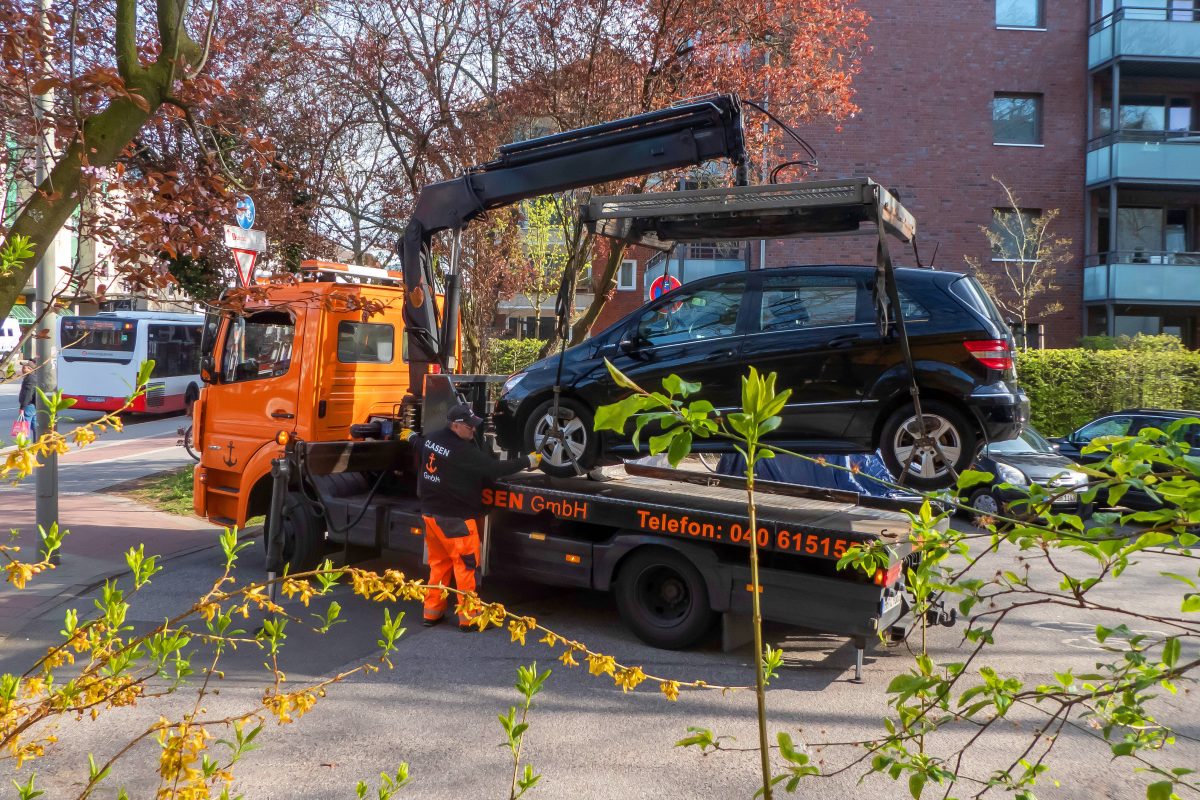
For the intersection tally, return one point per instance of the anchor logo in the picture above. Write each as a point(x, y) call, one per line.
point(229, 459)
point(430, 468)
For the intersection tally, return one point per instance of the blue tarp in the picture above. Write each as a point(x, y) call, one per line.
point(789, 469)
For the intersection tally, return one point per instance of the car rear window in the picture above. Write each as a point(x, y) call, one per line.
point(968, 290)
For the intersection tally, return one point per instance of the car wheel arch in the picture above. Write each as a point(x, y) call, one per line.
point(900, 399)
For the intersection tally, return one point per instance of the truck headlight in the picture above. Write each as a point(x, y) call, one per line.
point(1011, 475)
point(512, 382)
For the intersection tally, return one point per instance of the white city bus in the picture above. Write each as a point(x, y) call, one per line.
point(100, 356)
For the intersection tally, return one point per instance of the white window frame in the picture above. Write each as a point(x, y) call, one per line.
point(632, 284)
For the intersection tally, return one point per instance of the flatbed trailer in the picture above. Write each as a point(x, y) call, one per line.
point(671, 545)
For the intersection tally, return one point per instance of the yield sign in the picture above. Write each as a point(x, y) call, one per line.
point(245, 264)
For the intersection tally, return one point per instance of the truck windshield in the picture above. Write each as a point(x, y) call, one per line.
point(258, 346)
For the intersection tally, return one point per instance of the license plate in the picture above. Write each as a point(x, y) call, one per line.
point(96, 399)
point(1067, 498)
point(889, 602)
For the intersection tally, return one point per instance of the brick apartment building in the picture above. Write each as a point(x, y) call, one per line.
point(954, 93)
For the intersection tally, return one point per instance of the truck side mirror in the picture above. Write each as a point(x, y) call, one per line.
point(208, 370)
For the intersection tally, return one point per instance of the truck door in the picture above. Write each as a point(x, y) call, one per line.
point(257, 395)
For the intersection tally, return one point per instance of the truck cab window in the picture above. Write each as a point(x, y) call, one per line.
point(707, 313)
point(365, 342)
point(258, 346)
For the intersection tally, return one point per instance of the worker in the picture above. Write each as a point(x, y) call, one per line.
point(453, 471)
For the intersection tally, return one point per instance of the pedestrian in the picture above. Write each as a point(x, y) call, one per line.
point(453, 472)
point(27, 399)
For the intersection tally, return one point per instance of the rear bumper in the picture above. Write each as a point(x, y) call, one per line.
point(1002, 409)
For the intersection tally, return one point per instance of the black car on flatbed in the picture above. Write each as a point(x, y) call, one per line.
point(815, 327)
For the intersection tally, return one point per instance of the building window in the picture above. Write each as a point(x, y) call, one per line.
point(1019, 13)
point(1017, 119)
point(627, 275)
point(1012, 234)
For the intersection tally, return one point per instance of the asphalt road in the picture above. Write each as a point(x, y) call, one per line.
point(146, 445)
point(437, 709)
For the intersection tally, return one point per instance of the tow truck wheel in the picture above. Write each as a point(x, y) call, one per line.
point(662, 598)
point(563, 444)
point(302, 536)
point(928, 467)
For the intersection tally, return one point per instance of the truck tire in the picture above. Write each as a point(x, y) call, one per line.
point(955, 436)
point(303, 535)
point(663, 599)
point(580, 440)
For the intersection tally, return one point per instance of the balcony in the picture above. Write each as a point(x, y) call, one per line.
point(1142, 277)
point(1150, 156)
point(1145, 33)
point(700, 260)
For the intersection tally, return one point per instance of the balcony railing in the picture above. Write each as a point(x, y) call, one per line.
point(1145, 32)
point(706, 251)
point(1144, 155)
point(1142, 276)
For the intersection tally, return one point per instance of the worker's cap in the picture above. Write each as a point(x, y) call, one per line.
point(463, 413)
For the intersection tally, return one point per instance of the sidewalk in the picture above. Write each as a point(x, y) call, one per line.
point(102, 528)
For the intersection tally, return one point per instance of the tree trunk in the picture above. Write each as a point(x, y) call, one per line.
point(608, 282)
point(106, 135)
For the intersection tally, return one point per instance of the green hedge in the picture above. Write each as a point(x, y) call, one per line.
point(1067, 388)
point(506, 356)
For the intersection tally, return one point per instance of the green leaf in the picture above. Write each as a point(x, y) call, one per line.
point(973, 477)
point(676, 385)
point(1160, 791)
point(1191, 603)
point(620, 378)
point(916, 785)
point(145, 369)
point(1171, 651)
point(681, 445)
point(615, 416)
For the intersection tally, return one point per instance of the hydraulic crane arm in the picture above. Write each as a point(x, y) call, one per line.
point(683, 135)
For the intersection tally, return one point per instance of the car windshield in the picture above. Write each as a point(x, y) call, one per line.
point(1030, 441)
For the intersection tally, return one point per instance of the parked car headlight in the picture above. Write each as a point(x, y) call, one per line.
point(1012, 475)
point(512, 382)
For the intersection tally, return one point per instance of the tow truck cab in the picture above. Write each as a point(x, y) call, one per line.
point(309, 359)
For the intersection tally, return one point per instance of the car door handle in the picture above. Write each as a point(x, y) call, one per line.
point(722, 356)
point(844, 340)
point(282, 415)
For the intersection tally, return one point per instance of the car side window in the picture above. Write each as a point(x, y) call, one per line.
point(706, 313)
point(792, 302)
point(1110, 426)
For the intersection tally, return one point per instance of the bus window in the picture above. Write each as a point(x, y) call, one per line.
point(94, 339)
point(365, 342)
point(175, 349)
point(257, 346)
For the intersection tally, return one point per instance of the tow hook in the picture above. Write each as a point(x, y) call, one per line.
point(938, 614)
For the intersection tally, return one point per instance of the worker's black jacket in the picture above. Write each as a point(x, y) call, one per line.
point(454, 471)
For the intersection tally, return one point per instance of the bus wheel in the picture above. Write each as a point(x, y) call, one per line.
point(662, 598)
point(303, 536)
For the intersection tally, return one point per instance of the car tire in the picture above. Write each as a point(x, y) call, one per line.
point(985, 502)
point(580, 441)
point(955, 435)
point(663, 599)
point(303, 535)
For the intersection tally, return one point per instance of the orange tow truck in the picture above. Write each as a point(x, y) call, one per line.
point(302, 363)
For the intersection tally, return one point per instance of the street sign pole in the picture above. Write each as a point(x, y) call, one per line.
point(46, 347)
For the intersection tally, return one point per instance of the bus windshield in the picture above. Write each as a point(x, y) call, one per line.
point(106, 335)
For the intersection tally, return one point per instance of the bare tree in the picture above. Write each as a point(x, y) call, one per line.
point(1026, 255)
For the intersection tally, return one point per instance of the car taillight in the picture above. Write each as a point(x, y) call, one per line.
point(992, 353)
point(887, 577)
point(435, 369)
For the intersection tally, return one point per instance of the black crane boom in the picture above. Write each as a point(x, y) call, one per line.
point(688, 134)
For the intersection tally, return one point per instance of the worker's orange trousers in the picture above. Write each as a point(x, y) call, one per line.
point(453, 546)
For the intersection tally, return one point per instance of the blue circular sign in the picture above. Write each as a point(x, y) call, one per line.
point(245, 212)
